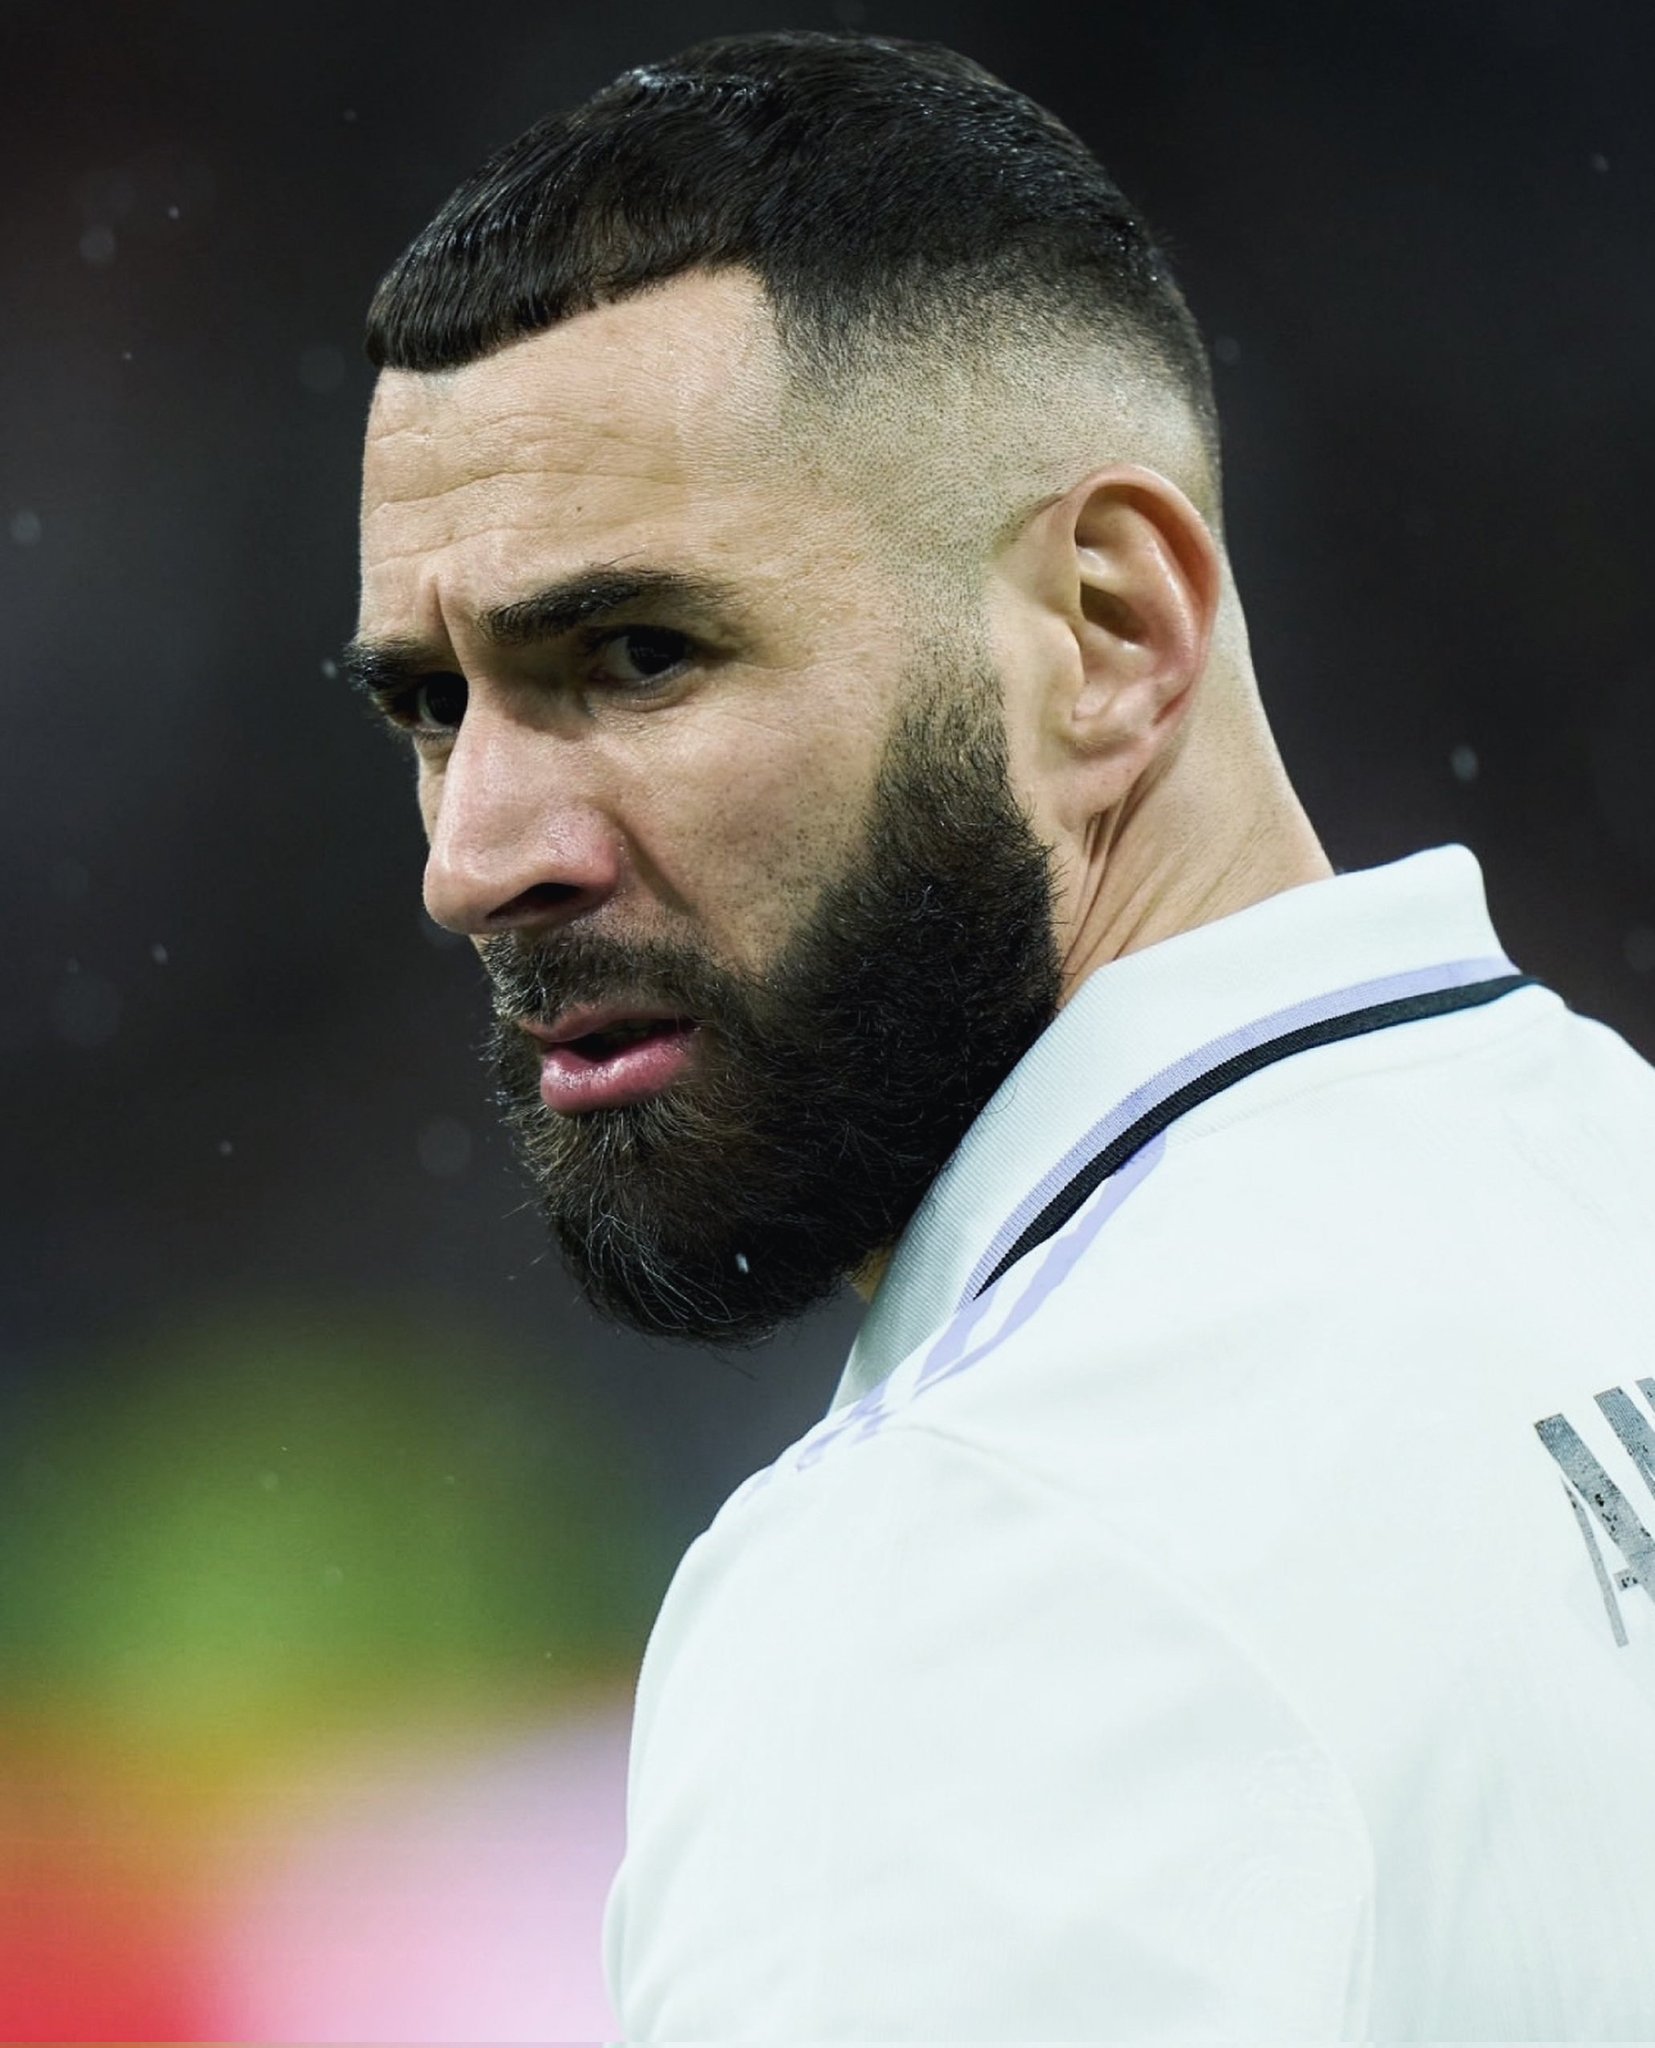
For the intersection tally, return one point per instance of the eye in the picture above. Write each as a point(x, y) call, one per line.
point(435, 704)
point(638, 656)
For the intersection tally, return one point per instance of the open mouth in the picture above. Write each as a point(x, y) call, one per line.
point(602, 1045)
point(622, 1063)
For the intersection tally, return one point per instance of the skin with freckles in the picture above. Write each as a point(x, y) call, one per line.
point(831, 709)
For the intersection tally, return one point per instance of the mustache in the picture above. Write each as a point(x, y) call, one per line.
point(537, 978)
point(526, 980)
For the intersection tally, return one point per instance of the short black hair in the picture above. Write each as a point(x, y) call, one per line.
point(881, 191)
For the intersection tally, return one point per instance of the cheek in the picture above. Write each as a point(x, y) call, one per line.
point(427, 792)
point(758, 815)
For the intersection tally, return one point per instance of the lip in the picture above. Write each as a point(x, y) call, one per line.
point(572, 1081)
point(569, 1025)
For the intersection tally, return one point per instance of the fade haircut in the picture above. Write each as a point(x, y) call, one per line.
point(900, 207)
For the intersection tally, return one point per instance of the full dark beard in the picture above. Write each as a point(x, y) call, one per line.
point(827, 1094)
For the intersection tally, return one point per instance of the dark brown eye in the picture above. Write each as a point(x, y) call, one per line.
point(641, 655)
point(438, 703)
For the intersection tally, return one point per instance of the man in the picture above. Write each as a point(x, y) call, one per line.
point(1219, 1603)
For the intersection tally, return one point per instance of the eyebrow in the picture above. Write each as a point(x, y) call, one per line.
point(377, 665)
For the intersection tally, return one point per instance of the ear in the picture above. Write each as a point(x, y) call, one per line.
point(1136, 575)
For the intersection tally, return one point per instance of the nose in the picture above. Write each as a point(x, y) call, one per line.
point(514, 840)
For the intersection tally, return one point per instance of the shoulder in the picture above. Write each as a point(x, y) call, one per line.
point(906, 1704)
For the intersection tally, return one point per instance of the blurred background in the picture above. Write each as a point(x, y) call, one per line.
point(331, 1527)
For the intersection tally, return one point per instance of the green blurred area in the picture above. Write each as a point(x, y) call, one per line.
point(267, 1523)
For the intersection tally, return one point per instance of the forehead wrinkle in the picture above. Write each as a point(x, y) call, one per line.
point(602, 398)
point(535, 443)
point(653, 371)
point(525, 539)
point(518, 490)
point(661, 442)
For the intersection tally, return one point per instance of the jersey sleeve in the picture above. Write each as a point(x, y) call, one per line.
point(922, 1754)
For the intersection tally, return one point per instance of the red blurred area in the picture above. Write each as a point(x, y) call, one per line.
point(388, 1888)
point(99, 1928)
point(90, 1958)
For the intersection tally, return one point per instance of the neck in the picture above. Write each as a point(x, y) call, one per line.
point(867, 1276)
point(1220, 829)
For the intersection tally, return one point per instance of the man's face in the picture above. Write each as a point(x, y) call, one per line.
point(687, 766)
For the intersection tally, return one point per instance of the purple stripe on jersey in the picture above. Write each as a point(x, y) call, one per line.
point(1061, 1254)
point(1049, 1264)
point(1317, 1010)
point(949, 1353)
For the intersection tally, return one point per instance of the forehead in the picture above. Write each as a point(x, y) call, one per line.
point(645, 428)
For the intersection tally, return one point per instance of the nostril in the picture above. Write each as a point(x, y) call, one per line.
point(509, 852)
point(540, 899)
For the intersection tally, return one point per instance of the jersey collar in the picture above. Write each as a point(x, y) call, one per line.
point(1136, 1019)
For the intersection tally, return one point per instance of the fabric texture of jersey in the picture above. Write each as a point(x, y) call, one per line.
point(1236, 1620)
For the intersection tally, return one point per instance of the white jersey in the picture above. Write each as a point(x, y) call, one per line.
point(1220, 1605)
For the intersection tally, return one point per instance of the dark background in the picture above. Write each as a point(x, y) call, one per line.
point(238, 1064)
